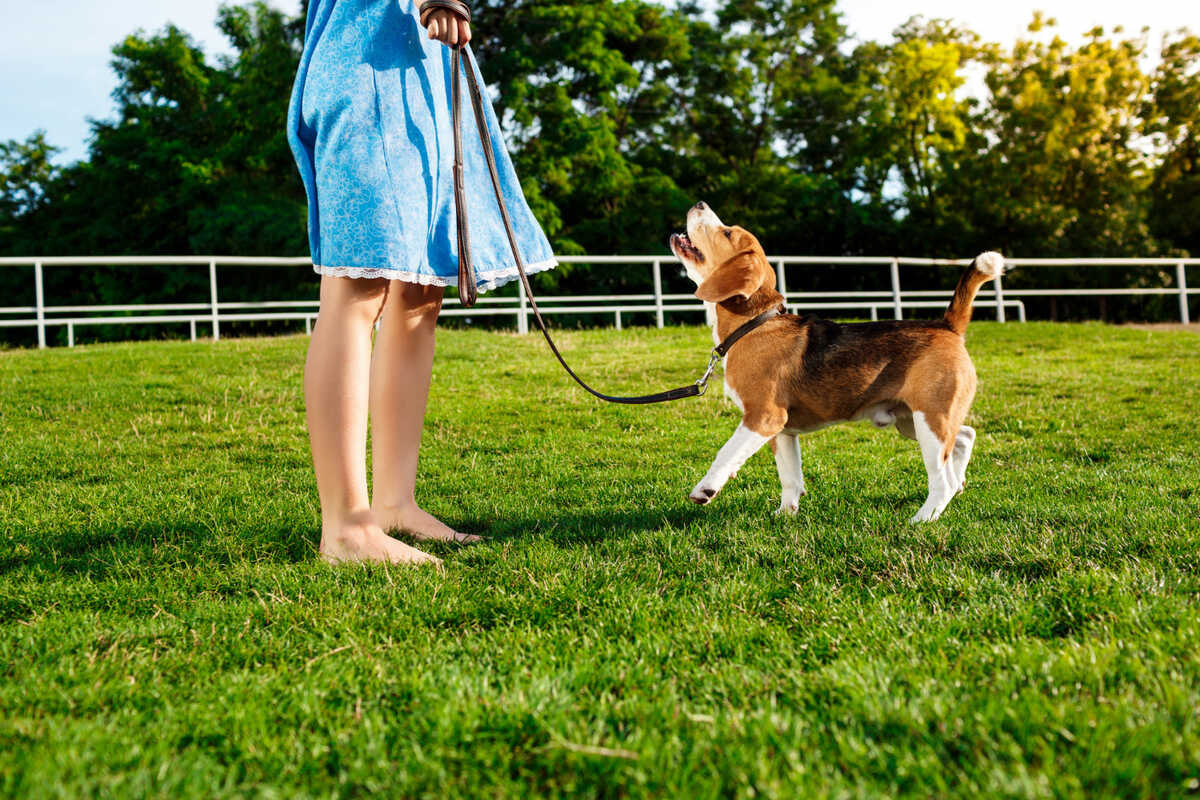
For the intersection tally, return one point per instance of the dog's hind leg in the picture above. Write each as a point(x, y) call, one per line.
point(935, 452)
point(964, 443)
point(791, 477)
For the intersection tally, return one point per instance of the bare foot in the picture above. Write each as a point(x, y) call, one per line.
point(420, 524)
point(364, 540)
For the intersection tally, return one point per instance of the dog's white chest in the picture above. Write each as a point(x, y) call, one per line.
point(734, 398)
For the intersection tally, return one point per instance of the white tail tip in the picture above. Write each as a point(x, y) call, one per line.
point(990, 264)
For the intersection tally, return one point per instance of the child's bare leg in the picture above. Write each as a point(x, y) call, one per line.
point(336, 377)
point(400, 372)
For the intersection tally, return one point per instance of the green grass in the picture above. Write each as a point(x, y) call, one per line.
point(167, 630)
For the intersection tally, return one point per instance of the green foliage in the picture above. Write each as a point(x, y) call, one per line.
point(1064, 174)
point(166, 629)
point(26, 170)
point(1059, 164)
point(769, 101)
point(1174, 117)
point(919, 123)
point(195, 162)
point(587, 91)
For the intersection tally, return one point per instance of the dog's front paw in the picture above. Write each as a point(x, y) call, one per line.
point(789, 503)
point(702, 494)
point(924, 515)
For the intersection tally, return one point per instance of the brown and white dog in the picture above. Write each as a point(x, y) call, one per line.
point(796, 374)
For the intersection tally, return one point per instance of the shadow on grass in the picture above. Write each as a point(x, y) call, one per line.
point(127, 549)
point(903, 503)
point(137, 550)
point(568, 529)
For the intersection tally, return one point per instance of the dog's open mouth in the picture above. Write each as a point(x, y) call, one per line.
point(682, 246)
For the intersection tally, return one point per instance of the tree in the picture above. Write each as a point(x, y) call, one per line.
point(585, 93)
point(26, 170)
point(1063, 173)
point(773, 102)
point(920, 124)
point(194, 161)
point(1174, 120)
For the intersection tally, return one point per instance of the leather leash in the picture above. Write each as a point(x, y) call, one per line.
point(460, 58)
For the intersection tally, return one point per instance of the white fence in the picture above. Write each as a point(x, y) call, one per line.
point(894, 300)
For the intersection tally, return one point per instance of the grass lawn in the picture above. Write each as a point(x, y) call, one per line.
point(167, 630)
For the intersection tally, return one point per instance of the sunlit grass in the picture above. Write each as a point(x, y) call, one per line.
point(165, 627)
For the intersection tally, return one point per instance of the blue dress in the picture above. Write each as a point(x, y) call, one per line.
point(369, 124)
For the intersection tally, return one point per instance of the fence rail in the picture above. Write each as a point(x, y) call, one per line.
point(895, 300)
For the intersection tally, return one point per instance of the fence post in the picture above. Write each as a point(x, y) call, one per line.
point(658, 299)
point(212, 290)
point(899, 311)
point(523, 309)
point(1181, 279)
point(41, 303)
point(781, 280)
point(998, 288)
point(70, 334)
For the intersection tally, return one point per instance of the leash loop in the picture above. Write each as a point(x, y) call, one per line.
point(457, 6)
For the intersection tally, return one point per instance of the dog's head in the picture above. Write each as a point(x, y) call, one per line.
point(725, 262)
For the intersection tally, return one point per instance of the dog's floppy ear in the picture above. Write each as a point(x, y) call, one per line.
point(739, 276)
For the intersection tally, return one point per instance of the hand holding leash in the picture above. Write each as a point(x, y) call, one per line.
point(448, 21)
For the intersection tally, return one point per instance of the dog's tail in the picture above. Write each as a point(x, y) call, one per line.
point(984, 268)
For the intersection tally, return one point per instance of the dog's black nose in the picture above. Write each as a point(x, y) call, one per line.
point(700, 206)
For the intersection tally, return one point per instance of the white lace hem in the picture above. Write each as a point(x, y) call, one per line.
point(485, 281)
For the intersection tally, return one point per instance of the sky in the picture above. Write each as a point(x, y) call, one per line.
point(54, 54)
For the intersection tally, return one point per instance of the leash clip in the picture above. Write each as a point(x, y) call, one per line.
point(702, 384)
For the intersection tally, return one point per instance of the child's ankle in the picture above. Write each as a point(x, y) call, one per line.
point(348, 517)
point(392, 508)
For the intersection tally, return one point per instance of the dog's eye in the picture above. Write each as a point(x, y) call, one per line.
point(728, 233)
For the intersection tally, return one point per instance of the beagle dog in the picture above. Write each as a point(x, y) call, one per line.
point(795, 374)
